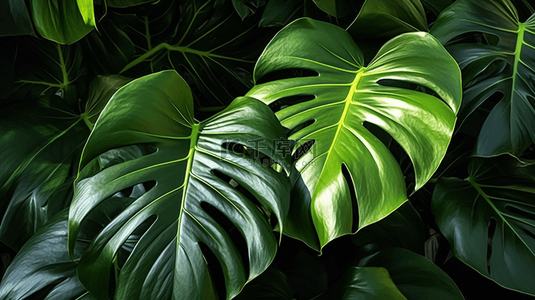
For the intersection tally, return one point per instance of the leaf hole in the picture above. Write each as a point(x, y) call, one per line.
point(216, 271)
point(300, 126)
point(285, 74)
point(354, 203)
point(491, 228)
point(409, 86)
point(396, 150)
point(284, 102)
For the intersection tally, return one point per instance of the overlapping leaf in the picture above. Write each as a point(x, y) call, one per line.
point(489, 219)
point(206, 41)
point(390, 18)
point(503, 68)
point(63, 21)
point(330, 109)
point(15, 19)
point(45, 68)
point(188, 194)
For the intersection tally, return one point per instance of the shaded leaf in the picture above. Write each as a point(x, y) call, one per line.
point(14, 18)
point(489, 219)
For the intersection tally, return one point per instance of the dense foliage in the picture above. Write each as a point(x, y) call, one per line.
point(280, 149)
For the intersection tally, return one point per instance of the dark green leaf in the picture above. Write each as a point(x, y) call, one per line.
point(190, 191)
point(503, 68)
point(43, 269)
point(40, 144)
point(389, 18)
point(46, 68)
point(14, 18)
point(272, 284)
point(414, 275)
point(63, 21)
point(360, 283)
point(331, 110)
point(207, 43)
point(489, 219)
point(100, 91)
point(337, 8)
point(281, 12)
point(403, 228)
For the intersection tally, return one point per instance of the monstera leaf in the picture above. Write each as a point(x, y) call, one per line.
point(503, 68)
point(207, 43)
point(201, 200)
point(15, 19)
point(63, 21)
point(347, 165)
point(489, 219)
point(393, 273)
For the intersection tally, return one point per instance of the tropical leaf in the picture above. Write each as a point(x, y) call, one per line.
point(403, 228)
point(50, 274)
point(394, 273)
point(63, 21)
point(272, 284)
point(207, 43)
point(338, 8)
point(191, 193)
point(489, 219)
point(15, 19)
point(123, 3)
point(41, 143)
point(45, 68)
point(503, 67)
point(364, 283)
point(348, 165)
point(281, 12)
point(390, 18)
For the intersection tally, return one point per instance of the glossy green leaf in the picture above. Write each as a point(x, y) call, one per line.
point(489, 219)
point(403, 228)
point(100, 91)
point(360, 283)
point(40, 145)
point(109, 48)
point(416, 277)
point(336, 8)
point(344, 96)
point(281, 12)
point(436, 6)
point(63, 21)
point(389, 18)
point(50, 274)
point(189, 193)
point(510, 126)
point(14, 18)
point(272, 284)
point(207, 43)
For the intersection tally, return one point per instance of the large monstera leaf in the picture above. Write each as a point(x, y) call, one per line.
point(503, 67)
point(344, 96)
point(193, 184)
point(489, 219)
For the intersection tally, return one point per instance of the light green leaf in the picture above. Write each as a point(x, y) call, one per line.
point(331, 109)
point(489, 219)
point(510, 126)
point(196, 190)
point(63, 21)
